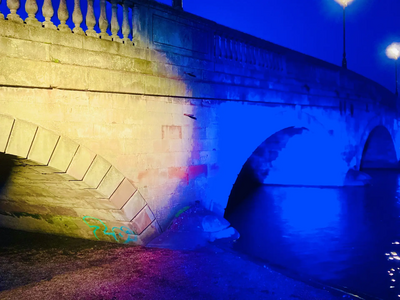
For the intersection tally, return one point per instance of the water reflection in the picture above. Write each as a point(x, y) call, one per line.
point(335, 235)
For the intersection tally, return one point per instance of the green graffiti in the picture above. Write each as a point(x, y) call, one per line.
point(182, 211)
point(121, 234)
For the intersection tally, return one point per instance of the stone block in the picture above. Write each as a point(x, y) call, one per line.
point(43, 146)
point(150, 233)
point(21, 138)
point(142, 220)
point(99, 80)
point(23, 49)
point(63, 154)
point(119, 215)
point(6, 124)
point(134, 205)
point(123, 193)
point(81, 163)
point(67, 76)
point(110, 182)
point(97, 171)
point(19, 72)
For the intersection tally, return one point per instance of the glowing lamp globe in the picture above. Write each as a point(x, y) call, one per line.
point(344, 3)
point(393, 51)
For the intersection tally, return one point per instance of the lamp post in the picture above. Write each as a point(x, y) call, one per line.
point(344, 4)
point(393, 52)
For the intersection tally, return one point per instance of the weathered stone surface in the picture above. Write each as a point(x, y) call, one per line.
point(142, 220)
point(6, 124)
point(43, 146)
point(134, 205)
point(177, 115)
point(110, 182)
point(21, 138)
point(97, 171)
point(81, 163)
point(63, 154)
point(123, 193)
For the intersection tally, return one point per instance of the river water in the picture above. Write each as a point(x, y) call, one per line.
point(344, 237)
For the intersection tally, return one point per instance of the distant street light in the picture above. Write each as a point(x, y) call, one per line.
point(344, 3)
point(393, 52)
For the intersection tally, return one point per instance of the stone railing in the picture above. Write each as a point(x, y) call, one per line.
point(107, 25)
point(244, 52)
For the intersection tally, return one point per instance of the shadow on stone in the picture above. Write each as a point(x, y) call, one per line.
point(6, 166)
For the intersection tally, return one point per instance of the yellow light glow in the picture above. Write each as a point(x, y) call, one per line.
point(393, 253)
point(393, 51)
point(344, 3)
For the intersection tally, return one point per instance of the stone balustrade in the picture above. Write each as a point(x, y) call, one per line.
point(243, 52)
point(106, 26)
point(189, 41)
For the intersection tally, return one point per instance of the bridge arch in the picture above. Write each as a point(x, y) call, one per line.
point(238, 143)
point(377, 146)
point(58, 186)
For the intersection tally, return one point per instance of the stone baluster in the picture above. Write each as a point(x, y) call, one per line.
point(233, 50)
point(262, 57)
point(90, 20)
point(273, 62)
point(217, 49)
point(126, 29)
point(228, 48)
point(103, 23)
point(255, 58)
point(136, 25)
point(48, 12)
point(268, 60)
point(63, 16)
point(13, 5)
point(177, 4)
point(114, 21)
point(246, 53)
point(238, 53)
point(77, 17)
point(223, 47)
point(252, 58)
point(31, 8)
point(279, 62)
point(242, 52)
point(258, 56)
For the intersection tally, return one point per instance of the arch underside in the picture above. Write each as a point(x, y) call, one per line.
point(294, 156)
point(50, 184)
point(379, 151)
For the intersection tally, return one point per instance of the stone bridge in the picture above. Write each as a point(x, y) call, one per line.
point(115, 116)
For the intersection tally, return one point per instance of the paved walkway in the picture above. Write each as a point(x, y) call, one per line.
point(34, 266)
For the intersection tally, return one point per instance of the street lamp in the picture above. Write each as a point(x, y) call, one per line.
point(344, 4)
point(393, 52)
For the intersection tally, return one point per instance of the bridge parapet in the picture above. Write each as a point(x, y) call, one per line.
point(201, 51)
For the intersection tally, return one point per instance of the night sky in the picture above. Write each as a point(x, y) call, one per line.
point(315, 27)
